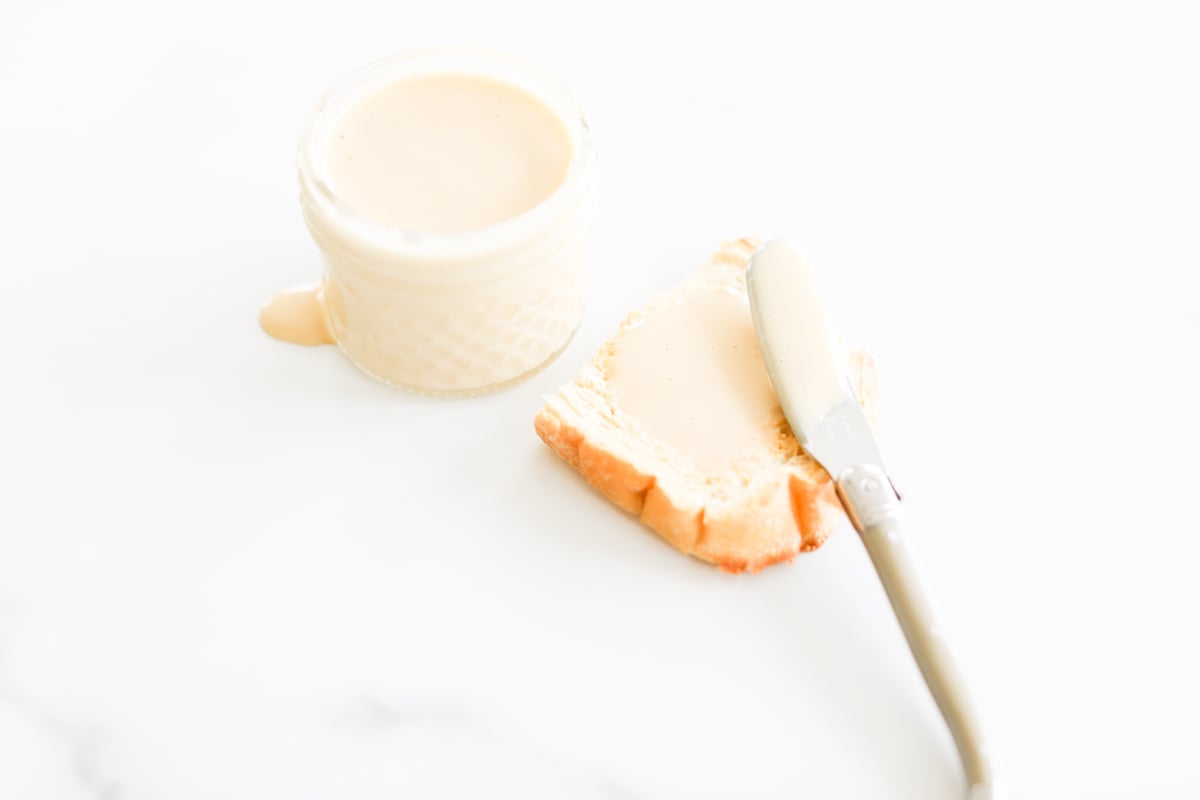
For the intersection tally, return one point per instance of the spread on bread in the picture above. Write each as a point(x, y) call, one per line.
point(690, 375)
point(674, 420)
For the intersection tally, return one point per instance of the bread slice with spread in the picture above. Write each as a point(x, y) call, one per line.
point(674, 420)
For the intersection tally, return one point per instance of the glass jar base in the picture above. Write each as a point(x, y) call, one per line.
point(476, 391)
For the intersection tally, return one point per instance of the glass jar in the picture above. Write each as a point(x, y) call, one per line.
point(452, 313)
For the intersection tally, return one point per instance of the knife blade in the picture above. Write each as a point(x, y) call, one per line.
point(794, 337)
point(830, 424)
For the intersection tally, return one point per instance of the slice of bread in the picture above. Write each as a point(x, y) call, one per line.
point(763, 504)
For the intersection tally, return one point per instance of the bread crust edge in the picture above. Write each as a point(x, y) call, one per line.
point(793, 510)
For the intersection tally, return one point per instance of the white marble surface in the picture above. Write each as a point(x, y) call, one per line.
point(233, 569)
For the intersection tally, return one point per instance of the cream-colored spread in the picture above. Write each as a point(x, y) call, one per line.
point(796, 334)
point(297, 316)
point(691, 376)
point(447, 153)
point(451, 195)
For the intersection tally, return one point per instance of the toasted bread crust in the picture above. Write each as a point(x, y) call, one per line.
point(788, 507)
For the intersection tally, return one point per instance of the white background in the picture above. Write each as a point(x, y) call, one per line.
point(230, 568)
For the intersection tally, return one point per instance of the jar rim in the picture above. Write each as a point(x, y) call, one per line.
point(317, 189)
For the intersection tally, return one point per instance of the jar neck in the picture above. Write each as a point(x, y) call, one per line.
point(512, 251)
point(414, 258)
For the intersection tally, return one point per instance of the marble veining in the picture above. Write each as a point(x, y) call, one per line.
point(364, 747)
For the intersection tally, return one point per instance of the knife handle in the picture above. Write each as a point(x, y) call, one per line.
point(874, 509)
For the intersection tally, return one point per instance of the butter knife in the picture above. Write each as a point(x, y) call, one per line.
point(830, 424)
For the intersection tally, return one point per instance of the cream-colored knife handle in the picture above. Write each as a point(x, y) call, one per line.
point(874, 508)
